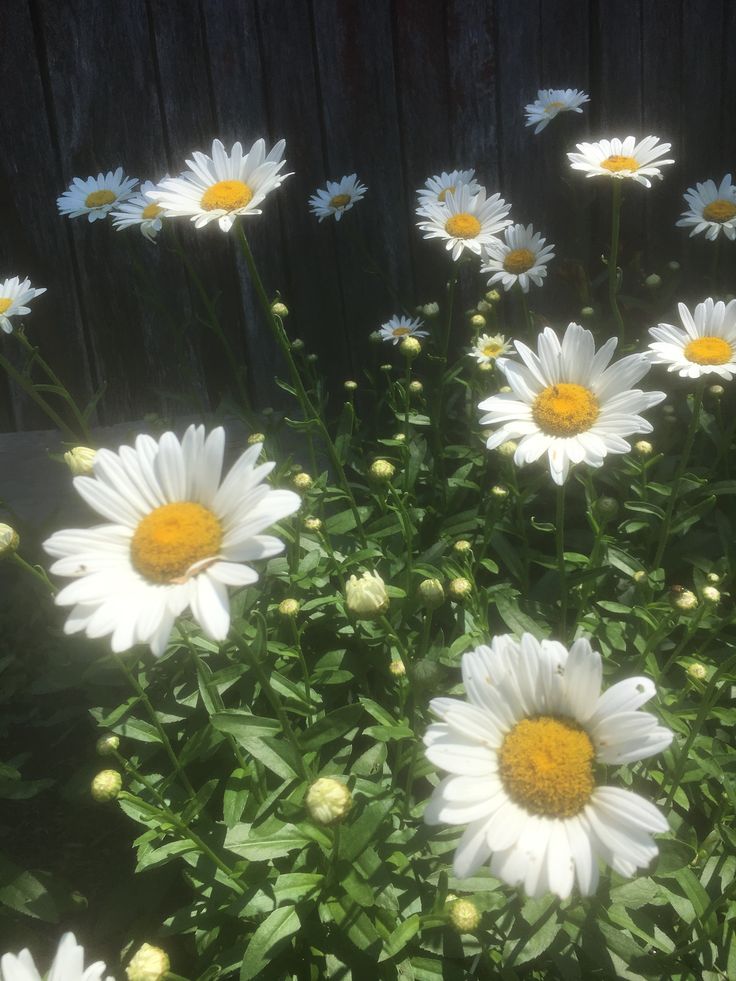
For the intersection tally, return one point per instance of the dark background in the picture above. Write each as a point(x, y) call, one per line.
point(393, 90)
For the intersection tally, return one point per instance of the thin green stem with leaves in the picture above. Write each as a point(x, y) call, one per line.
point(27, 386)
point(560, 548)
point(613, 283)
point(63, 391)
point(36, 571)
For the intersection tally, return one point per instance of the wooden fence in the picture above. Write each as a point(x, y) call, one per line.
point(393, 89)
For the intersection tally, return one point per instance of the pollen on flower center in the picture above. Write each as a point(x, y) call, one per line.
point(226, 196)
point(400, 331)
point(565, 409)
point(463, 225)
point(151, 211)
point(719, 210)
point(551, 106)
point(518, 261)
point(172, 538)
point(708, 350)
point(96, 199)
point(492, 350)
point(546, 765)
point(616, 164)
point(340, 200)
point(445, 191)
point(5, 303)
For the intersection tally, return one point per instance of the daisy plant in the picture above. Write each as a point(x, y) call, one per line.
point(337, 198)
point(95, 197)
point(550, 103)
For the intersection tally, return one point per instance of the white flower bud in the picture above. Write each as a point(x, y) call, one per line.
point(464, 915)
point(430, 309)
point(106, 785)
point(713, 578)
point(478, 321)
point(148, 964)
point(302, 481)
point(697, 672)
point(280, 309)
point(431, 593)
point(108, 744)
point(653, 281)
point(493, 296)
point(587, 312)
point(256, 438)
point(381, 471)
point(416, 387)
point(80, 460)
point(462, 546)
point(711, 594)
point(674, 265)
point(508, 448)
point(499, 491)
point(350, 386)
point(288, 608)
point(366, 597)
point(312, 524)
point(410, 348)
point(716, 391)
point(460, 588)
point(328, 800)
point(684, 600)
point(397, 668)
point(643, 448)
point(9, 540)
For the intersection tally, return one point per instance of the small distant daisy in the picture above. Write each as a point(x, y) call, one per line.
point(96, 196)
point(522, 753)
point(622, 159)
point(550, 102)
point(339, 197)
point(223, 186)
point(712, 209)
point(522, 258)
point(142, 211)
point(398, 328)
point(68, 964)
point(707, 345)
point(437, 188)
point(567, 402)
point(14, 295)
point(177, 536)
point(465, 220)
point(488, 347)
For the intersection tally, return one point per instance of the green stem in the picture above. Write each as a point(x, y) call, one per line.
point(613, 258)
point(30, 389)
point(155, 719)
point(305, 670)
point(690, 629)
point(715, 267)
point(51, 374)
point(525, 315)
point(436, 415)
point(36, 571)
point(560, 544)
point(384, 621)
point(675, 486)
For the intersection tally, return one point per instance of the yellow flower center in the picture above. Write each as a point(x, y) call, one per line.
point(719, 210)
point(96, 199)
point(546, 765)
point(462, 225)
point(151, 211)
point(492, 350)
point(172, 538)
point(339, 200)
point(709, 350)
point(226, 196)
point(5, 303)
point(551, 106)
point(518, 261)
point(443, 194)
point(565, 409)
point(400, 331)
point(616, 164)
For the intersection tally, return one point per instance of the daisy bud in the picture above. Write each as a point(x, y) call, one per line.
point(639, 576)
point(683, 600)
point(297, 344)
point(711, 594)
point(430, 309)
point(280, 309)
point(459, 589)
point(502, 390)
point(312, 524)
point(508, 448)
point(9, 540)
point(366, 597)
point(485, 366)
point(462, 546)
point(148, 964)
point(387, 368)
point(289, 608)
point(587, 312)
point(499, 491)
point(674, 265)
point(606, 508)
point(312, 359)
point(493, 296)
point(302, 481)
point(464, 916)
point(478, 321)
point(397, 668)
point(643, 448)
point(350, 386)
point(328, 801)
point(108, 744)
point(713, 578)
point(483, 307)
point(697, 672)
point(410, 348)
point(381, 471)
point(653, 281)
point(255, 438)
point(431, 593)
point(375, 337)
point(399, 437)
point(416, 387)
point(716, 391)
point(80, 460)
point(106, 785)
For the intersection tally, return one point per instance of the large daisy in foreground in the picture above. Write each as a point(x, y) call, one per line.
point(521, 257)
point(465, 220)
point(338, 198)
point(68, 964)
point(95, 197)
point(706, 346)
point(521, 754)
point(712, 209)
point(14, 294)
point(550, 103)
point(223, 186)
point(438, 187)
point(568, 403)
point(178, 537)
point(622, 159)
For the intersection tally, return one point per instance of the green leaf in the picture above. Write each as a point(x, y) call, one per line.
point(358, 835)
point(331, 727)
point(273, 840)
point(518, 622)
point(273, 933)
point(401, 937)
point(234, 797)
point(295, 886)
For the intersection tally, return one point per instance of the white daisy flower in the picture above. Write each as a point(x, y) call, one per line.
point(521, 752)
point(14, 294)
point(707, 345)
point(488, 347)
point(178, 537)
point(521, 258)
point(223, 186)
point(96, 196)
point(465, 220)
point(550, 102)
point(398, 328)
point(622, 159)
point(568, 403)
point(142, 211)
point(437, 188)
point(68, 964)
point(339, 197)
point(712, 209)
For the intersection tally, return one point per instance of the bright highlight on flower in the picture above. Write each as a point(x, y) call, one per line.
point(706, 345)
point(399, 327)
point(14, 295)
point(366, 597)
point(521, 752)
point(140, 210)
point(68, 964)
point(712, 209)
point(179, 537)
point(338, 198)
point(622, 159)
point(465, 220)
point(96, 196)
point(550, 103)
point(567, 402)
point(438, 187)
point(520, 257)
